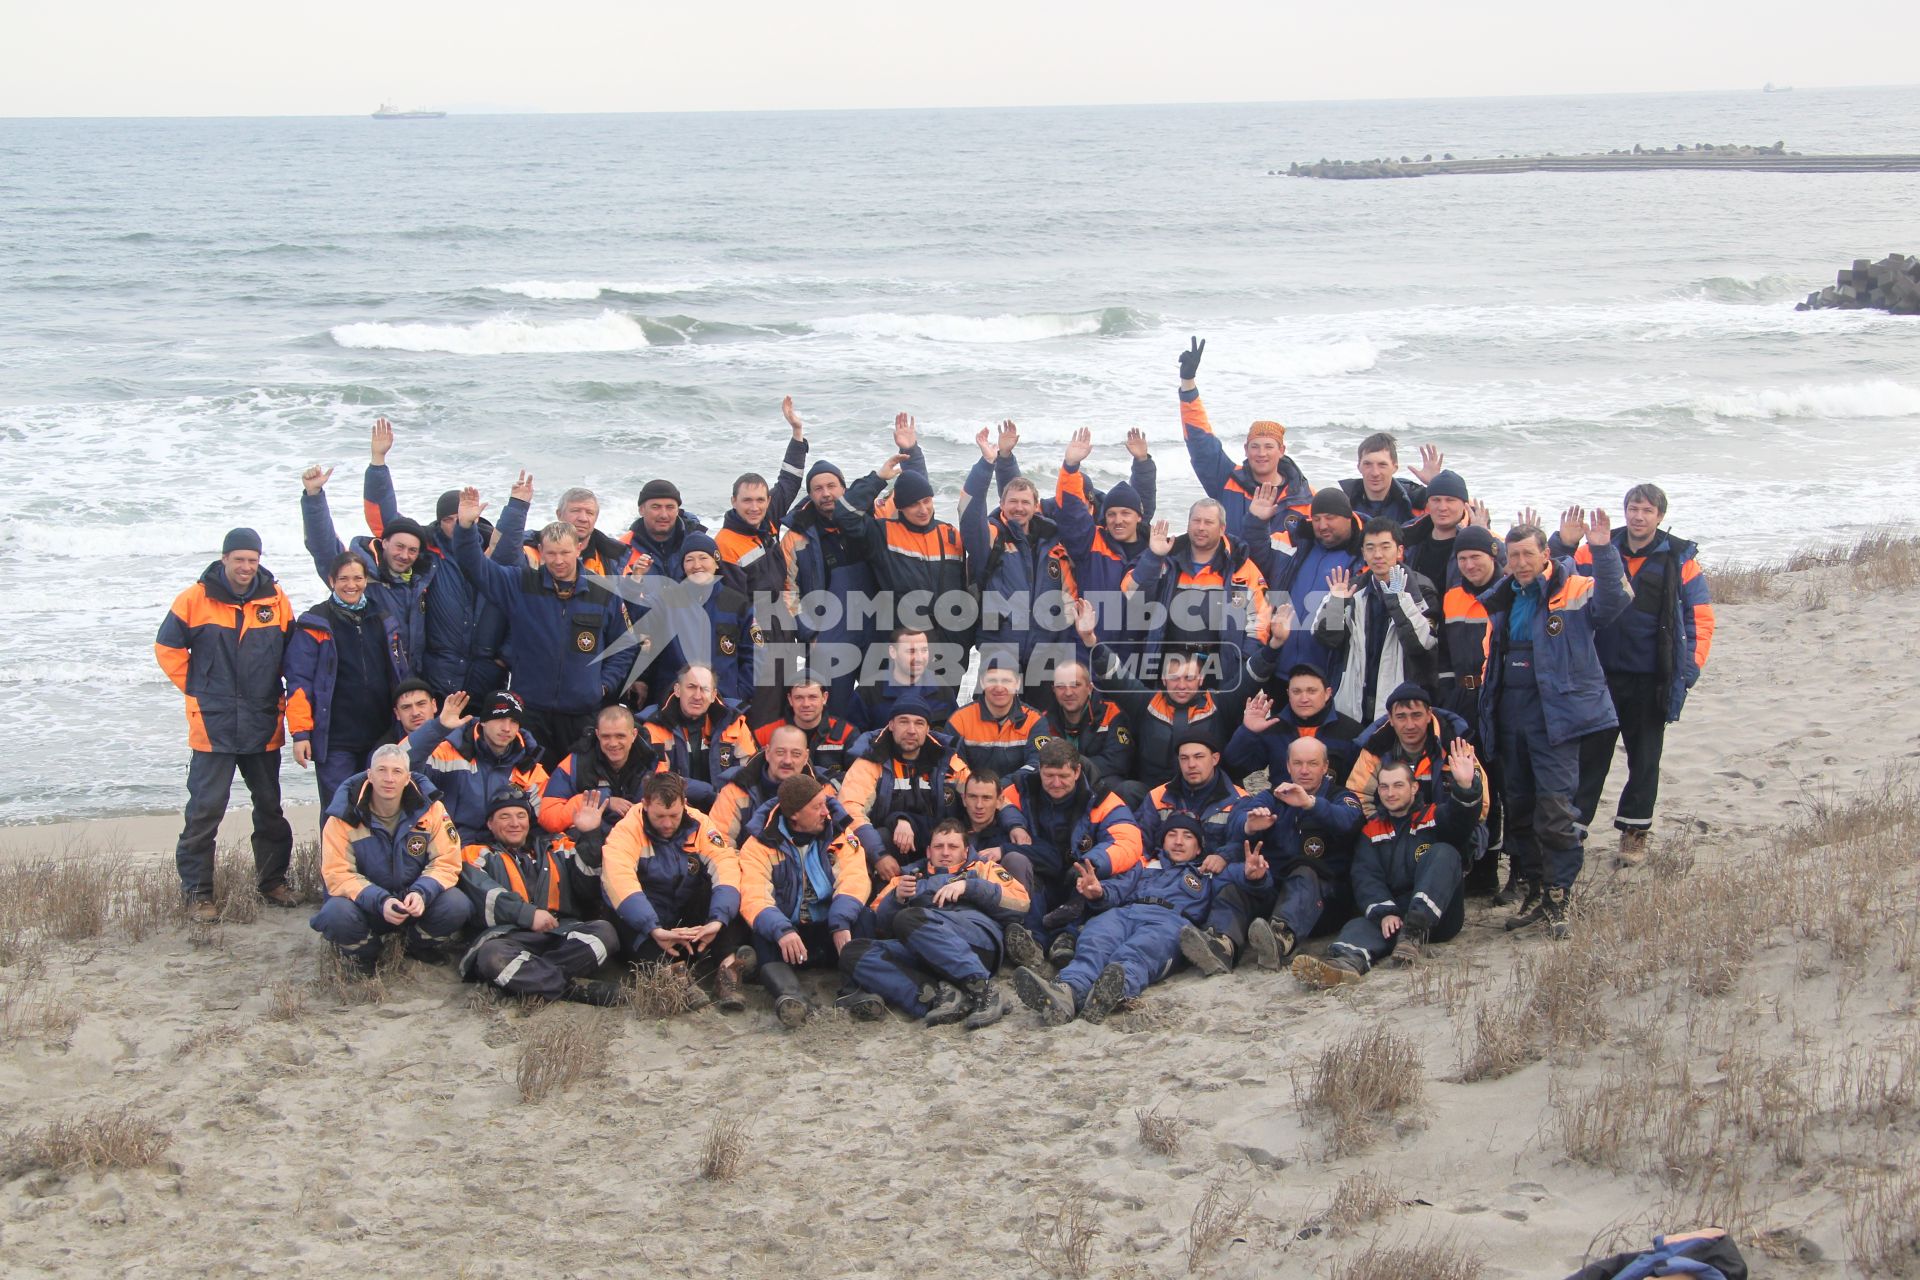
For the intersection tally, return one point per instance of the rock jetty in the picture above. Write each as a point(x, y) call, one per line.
point(1702, 155)
point(1892, 284)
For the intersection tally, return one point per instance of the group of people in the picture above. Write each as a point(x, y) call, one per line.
point(744, 750)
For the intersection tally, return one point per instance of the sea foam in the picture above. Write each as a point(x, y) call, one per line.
point(1876, 398)
point(507, 334)
point(984, 329)
point(588, 290)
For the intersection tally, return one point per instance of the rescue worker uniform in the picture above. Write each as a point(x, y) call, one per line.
point(504, 886)
point(834, 581)
point(829, 743)
point(1411, 866)
point(702, 752)
point(811, 885)
point(467, 773)
point(882, 786)
point(1103, 738)
point(1232, 485)
point(915, 566)
point(341, 667)
point(364, 861)
point(402, 596)
point(1301, 571)
point(684, 880)
point(587, 769)
point(224, 649)
point(1210, 804)
point(1309, 854)
point(1087, 825)
point(919, 943)
point(1248, 752)
point(1026, 588)
point(1157, 721)
point(1001, 745)
point(1404, 503)
point(1217, 606)
point(1100, 562)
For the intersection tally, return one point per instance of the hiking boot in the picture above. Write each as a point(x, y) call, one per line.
point(746, 962)
point(1060, 951)
point(792, 1011)
point(607, 995)
point(728, 997)
point(862, 1006)
point(1334, 971)
point(1209, 952)
point(1633, 848)
point(1530, 912)
point(1553, 909)
point(1514, 892)
point(691, 995)
point(1023, 951)
point(1053, 1001)
point(279, 896)
point(1409, 943)
point(948, 1005)
point(984, 1004)
point(1270, 941)
point(202, 911)
point(1109, 989)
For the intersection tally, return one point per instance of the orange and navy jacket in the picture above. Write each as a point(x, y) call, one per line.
point(1180, 887)
point(1387, 855)
point(1574, 698)
point(1002, 744)
point(991, 892)
point(506, 886)
point(225, 652)
point(586, 769)
point(604, 554)
point(1157, 721)
point(877, 773)
point(1104, 740)
point(647, 879)
point(905, 559)
point(744, 791)
point(722, 731)
point(1086, 826)
point(1463, 649)
point(829, 743)
point(1235, 608)
point(777, 864)
point(1100, 564)
point(1025, 602)
point(1212, 806)
point(754, 561)
point(1668, 629)
point(312, 669)
point(1232, 485)
point(1379, 744)
point(1406, 500)
point(1248, 752)
point(468, 774)
point(362, 861)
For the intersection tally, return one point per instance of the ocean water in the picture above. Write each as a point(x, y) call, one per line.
point(191, 311)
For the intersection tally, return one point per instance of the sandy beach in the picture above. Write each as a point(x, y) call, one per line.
point(1762, 1051)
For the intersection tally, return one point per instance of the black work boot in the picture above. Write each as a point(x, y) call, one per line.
point(983, 1003)
point(861, 1006)
point(1270, 941)
point(1409, 943)
point(947, 1006)
point(1060, 951)
point(1023, 950)
point(1109, 989)
point(1514, 892)
point(594, 991)
point(1209, 952)
point(1531, 911)
point(1553, 908)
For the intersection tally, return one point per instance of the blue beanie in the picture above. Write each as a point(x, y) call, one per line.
point(824, 468)
point(700, 542)
point(1448, 484)
point(910, 488)
point(241, 539)
point(1124, 495)
point(912, 703)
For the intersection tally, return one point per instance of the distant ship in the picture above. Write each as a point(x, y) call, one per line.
point(388, 111)
point(1771, 87)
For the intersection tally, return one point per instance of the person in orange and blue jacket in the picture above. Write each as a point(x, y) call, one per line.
point(1200, 592)
point(388, 855)
point(1322, 542)
point(698, 736)
point(400, 573)
point(1059, 820)
point(343, 661)
point(612, 762)
point(903, 779)
point(1094, 724)
point(998, 731)
point(1200, 787)
point(942, 926)
point(1103, 533)
point(1377, 493)
point(470, 759)
point(1233, 486)
point(673, 880)
point(531, 898)
point(1304, 826)
point(1023, 576)
point(826, 543)
point(1544, 691)
point(1652, 654)
point(803, 892)
point(1132, 938)
point(1408, 869)
point(223, 644)
point(829, 738)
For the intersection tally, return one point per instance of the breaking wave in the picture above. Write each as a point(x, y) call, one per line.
point(588, 290)
point(1041, 327)
point(507, 334)
point(1877, 398)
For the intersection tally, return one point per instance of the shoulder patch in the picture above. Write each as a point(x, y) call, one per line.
point(1350, 800)
point(1555, 624)
point(1121, 736)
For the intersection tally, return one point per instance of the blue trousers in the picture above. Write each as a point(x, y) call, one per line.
point(333, 769)
point(1434, 901)
point(357, 934)
point(1144, 940)
point(209, 785)
point(959, 946)
point(1540, 780)
point(1305, 902)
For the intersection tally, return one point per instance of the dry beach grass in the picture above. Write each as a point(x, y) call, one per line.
point(1732, 1035)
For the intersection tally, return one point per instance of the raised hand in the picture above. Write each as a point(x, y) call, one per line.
point(1009, 438)
point(1461, 762)
point(382, 441)
point(1397, 579)
point(1079, 445)
point(1259, 820)
point(793, 419)
point(891, 467)
point(1258, 717)
point(523, 487)
point(314, 479)
point(1190, 359)
point(1137, 443)
point(470, 507)
point(1340, 584)
point(1280, 621)
point(456, 702)
point(1528, 515)
point(1086, 620)
point(989, 451)
point(1265, 501)
point(1599, 526)
point(592, 811)
point(1256, 865)
point(1573, 526)
point(1477, 513)
point(906, 432)
point(1432, 463)
point(1161, 543)
point(1086, 881)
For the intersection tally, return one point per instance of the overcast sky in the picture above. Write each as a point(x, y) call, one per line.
point(342, 57)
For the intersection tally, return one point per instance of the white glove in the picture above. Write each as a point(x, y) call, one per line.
point(1397, 580)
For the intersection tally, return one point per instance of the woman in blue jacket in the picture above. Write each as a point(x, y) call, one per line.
point(343, 661)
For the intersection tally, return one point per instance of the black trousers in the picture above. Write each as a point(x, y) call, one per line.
point(209, 785)
point(557, 732)
point(1641, 703)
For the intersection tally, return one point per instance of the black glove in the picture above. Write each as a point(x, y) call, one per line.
point(1065, 915)
point(1190, 359)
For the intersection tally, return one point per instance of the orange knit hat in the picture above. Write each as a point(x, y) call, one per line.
point(1271, 430)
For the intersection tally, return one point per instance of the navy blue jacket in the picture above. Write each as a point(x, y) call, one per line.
point(1573, 688)
point(1319, 839)
point(404, 602)
point(312, 668)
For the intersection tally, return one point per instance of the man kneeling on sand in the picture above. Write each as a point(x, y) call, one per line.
point(1133, 939)
point(1408, 871)
point(388, 855)
point(942, 923)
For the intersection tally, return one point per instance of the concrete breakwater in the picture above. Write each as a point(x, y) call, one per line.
point(1892, 284)
point(1705, 155)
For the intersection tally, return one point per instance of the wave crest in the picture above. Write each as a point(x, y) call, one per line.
point(1738, 289)
point(588, 290)
point(1010, 328)
point(1876, 398)
point(507, 334)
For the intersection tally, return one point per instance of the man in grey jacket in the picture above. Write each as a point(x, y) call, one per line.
point(1382, 624)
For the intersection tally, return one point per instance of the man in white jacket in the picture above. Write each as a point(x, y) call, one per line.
point(1382, 624)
